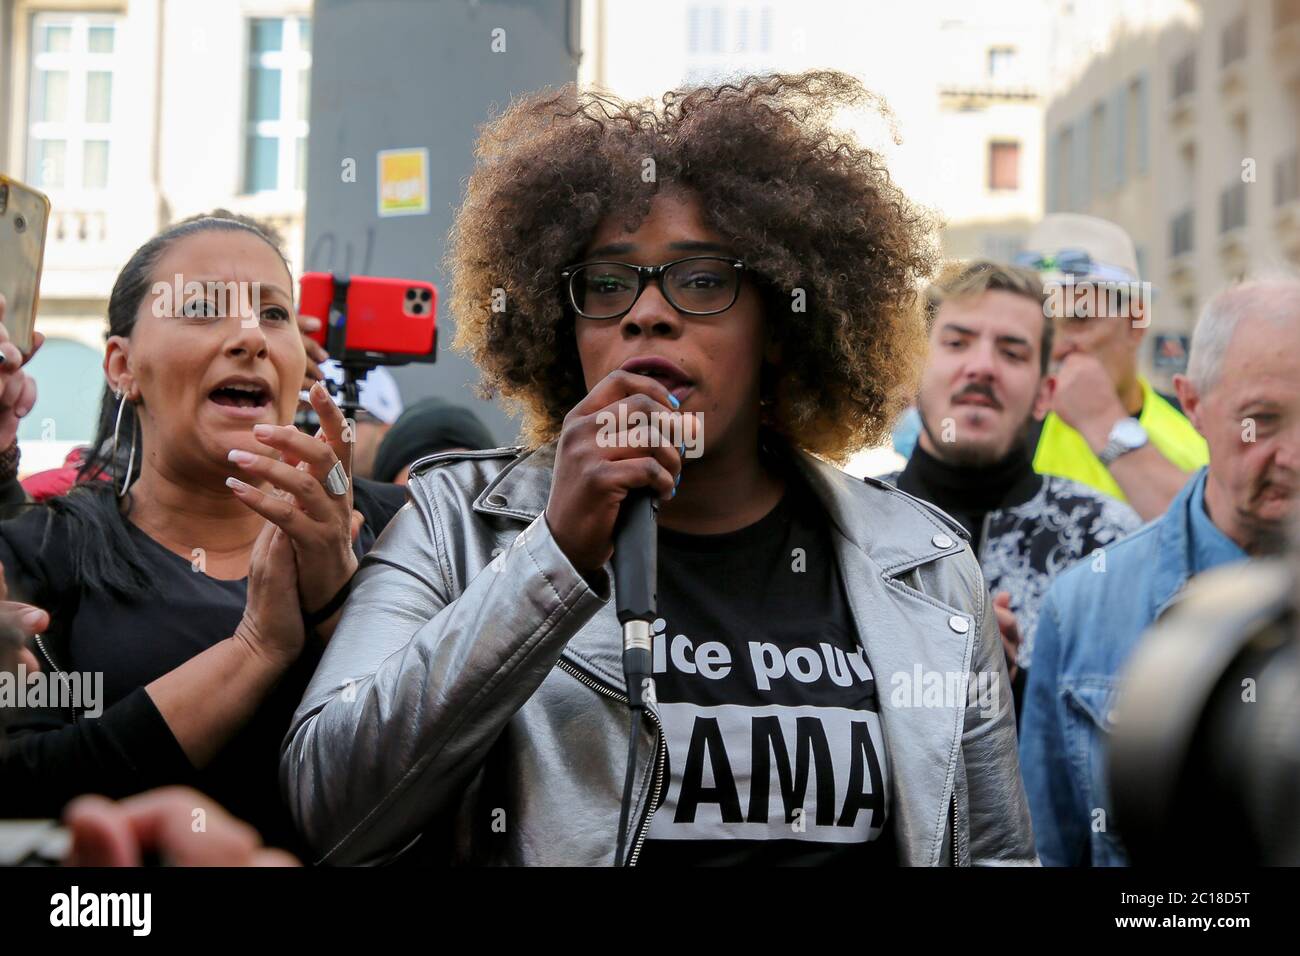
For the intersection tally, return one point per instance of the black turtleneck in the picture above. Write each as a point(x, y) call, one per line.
point(968, 492)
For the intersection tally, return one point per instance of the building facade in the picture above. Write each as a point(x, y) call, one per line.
point(963, 81)
point(1180, 120)
point(130, 115)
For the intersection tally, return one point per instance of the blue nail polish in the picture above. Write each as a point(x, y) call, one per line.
point(677, 482)
point(674, 494)
point(674, 399)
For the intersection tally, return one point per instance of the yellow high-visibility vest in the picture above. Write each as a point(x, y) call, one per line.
point(1063, 451)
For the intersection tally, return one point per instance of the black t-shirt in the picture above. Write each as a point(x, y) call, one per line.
point(769, 706)
point(129, 747)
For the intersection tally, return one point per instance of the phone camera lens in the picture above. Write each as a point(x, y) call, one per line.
point(20, 223)
point(410, 295)
point(417, 308)
point(424, 295)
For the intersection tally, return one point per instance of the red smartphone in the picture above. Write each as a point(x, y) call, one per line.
point(396, 317)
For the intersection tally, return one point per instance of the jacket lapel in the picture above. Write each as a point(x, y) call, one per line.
point(899, 628)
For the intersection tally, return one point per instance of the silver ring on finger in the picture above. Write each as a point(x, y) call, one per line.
point(337, 481)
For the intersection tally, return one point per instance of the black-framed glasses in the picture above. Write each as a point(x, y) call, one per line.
point(696, 285)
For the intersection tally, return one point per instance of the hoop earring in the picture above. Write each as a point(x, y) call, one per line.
point(117, 428)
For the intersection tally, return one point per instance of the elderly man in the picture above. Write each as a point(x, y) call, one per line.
point(1242, 392)
point(1108, 429)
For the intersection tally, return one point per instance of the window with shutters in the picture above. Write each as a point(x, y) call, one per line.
point(1097, 152)
point(1184, 75)
point(279, 66)
point(1083, 134)
point(1002, 64)
point(1004, 166)
point(723, 40)
point(69, 133)
point(1119, 137)
point(1135, 123)
point(1232, 41)
point(1065, 179)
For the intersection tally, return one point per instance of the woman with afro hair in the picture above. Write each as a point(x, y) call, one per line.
point(709, 298)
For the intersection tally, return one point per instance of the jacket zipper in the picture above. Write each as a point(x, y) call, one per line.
point(658, 758)
point(49, 659)
point(984, 543)
point(954, 828)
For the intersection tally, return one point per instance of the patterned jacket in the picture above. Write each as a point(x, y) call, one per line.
point(1024, 547)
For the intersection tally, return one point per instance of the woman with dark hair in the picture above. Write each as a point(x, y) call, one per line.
point(727, 260)
point(192, 574)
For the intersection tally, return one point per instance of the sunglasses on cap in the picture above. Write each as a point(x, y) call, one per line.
point(1073, 262)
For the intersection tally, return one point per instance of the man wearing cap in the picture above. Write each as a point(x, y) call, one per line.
point(1108, 428)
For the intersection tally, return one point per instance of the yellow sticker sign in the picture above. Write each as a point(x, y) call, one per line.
point(403, 182)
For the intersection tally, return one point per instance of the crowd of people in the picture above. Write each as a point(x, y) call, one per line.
point(387, 638)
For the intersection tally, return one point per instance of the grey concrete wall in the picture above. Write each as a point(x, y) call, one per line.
point(391, 74)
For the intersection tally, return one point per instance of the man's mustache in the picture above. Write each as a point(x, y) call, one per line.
point(976, 388)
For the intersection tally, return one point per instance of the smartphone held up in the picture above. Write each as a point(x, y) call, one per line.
point(372, 320)
point(24, 218)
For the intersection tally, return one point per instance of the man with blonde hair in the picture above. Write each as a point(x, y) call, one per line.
point(983, 391)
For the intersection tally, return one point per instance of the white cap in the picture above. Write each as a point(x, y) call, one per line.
point(1111, 249)
point(377, 391)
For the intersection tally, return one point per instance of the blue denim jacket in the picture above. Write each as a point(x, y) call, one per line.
point(1089, 623)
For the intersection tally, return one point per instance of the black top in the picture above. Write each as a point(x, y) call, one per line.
point(770, 710)
point(968, 493)
point(52, 754)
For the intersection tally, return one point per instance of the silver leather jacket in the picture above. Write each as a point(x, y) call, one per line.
point(472, 696)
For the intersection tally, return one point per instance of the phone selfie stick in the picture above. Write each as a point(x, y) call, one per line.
point(335, 339)
point(355, 363)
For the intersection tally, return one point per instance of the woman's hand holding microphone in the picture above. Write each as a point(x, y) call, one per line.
point(593, 475)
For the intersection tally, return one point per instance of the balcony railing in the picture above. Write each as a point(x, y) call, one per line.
point(1286, 179)
point(1232, 208)
point(78, 226)
point(1182, 229)
point(967, 84)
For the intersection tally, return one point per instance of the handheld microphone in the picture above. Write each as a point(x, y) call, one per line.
point(635, 580)
point(635, 576)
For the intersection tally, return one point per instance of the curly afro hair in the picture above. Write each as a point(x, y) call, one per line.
point(841, 252)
